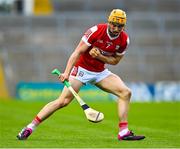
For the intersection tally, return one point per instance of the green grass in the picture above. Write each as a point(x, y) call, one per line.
point(68, 127)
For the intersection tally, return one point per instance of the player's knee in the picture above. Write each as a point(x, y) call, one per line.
point(126, 93)
point(65, 103)
point(62, 103)
point(58, 104)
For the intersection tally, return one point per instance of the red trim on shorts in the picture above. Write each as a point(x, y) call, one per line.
point(74, 71)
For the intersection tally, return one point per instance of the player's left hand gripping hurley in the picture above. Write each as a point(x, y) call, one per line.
point(91, 114)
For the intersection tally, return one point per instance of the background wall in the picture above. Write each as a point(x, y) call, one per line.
point(31, 46)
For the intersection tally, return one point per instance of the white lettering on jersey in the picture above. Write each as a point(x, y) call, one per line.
point(108, 44)
point(88, 34)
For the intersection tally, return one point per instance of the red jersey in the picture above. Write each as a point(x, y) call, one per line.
point(98, 36)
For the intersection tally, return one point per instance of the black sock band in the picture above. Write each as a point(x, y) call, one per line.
point(85, 106)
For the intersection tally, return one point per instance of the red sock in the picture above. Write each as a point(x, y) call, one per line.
point(123, 128)
point(36, 120)
point(123, 125)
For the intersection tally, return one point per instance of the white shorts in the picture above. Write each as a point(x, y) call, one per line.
point(86, 76)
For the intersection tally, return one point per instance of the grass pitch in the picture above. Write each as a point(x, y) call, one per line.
point(68, 127)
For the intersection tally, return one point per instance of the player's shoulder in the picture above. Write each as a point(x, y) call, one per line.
point(98, 28)
point(124, 34)
point(124, 37)
point(102, 26)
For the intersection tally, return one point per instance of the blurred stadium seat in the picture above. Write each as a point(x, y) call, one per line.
point(36, 44)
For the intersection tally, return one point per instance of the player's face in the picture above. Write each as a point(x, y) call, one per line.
point(115, 28)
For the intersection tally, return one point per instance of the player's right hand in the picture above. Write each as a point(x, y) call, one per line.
point(63, 77)
point(94, 52)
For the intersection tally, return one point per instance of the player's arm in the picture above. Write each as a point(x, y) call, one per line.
point(85, 43)
point(81, 48)
point(112, 60)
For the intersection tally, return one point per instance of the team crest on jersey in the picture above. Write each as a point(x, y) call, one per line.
point(117, 47)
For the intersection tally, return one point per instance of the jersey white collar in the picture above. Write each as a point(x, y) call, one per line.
point(112, 38)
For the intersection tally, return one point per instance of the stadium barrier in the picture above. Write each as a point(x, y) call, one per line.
point(141, 92)
point(49, 91)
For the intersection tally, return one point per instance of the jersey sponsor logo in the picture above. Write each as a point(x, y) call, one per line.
point(106, 53)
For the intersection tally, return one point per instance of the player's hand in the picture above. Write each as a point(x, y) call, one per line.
point(94, 52)
point(63, 77)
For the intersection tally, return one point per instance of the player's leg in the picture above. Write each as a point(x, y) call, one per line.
point(113, 84)
point(63, 100)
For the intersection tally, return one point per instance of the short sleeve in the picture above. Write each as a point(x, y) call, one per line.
point(123, 48)
point(90, 35)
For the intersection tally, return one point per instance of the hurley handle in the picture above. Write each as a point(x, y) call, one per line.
point(58, 73)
